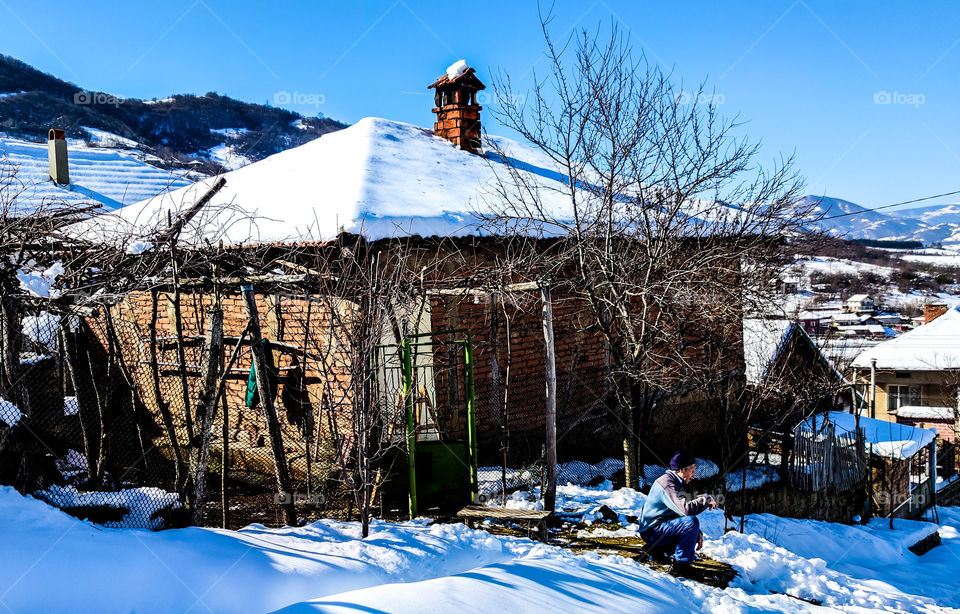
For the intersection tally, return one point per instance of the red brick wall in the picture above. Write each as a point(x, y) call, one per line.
point(946, 429)
point(282, 318)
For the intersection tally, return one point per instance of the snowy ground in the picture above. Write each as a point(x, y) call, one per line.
point(53, 562)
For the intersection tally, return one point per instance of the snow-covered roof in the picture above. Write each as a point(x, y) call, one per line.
point(887, 439)
point(859, 298)
point(763, 340)
point(934, 346)
point(928, 412)
point(107, 176)
point(379, 178)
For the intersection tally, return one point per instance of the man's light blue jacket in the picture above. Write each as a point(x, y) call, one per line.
point(667, 501)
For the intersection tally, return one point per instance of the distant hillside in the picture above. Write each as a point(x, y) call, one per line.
point(203, 132)
point(929, 225)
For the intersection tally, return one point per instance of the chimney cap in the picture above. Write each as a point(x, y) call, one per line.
point(462, 76)
point(56, 134)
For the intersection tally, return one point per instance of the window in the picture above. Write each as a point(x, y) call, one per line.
point(898, 396)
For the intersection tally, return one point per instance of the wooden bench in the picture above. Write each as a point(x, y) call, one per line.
point(471, 513)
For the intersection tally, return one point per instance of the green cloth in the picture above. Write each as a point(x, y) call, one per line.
point(253, 392)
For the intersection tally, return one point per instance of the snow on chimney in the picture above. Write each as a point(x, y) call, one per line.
point(57, 152)
point(458, 114)
point(933, 310)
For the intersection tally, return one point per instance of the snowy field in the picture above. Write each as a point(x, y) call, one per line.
point(55, 563)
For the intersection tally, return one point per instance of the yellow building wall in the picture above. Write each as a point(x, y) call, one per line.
point(937, 388)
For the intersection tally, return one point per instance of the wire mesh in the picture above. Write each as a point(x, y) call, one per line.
point(100, 417)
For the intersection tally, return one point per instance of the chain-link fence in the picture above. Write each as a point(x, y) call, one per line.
point(511, 429)
point(102, 414)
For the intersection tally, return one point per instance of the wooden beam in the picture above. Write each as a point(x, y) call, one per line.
point(550, 456)
point(266, 401)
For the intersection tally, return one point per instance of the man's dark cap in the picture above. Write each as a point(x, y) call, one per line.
point(681, 460)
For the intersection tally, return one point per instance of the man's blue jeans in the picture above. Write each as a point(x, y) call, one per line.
point(680, 533)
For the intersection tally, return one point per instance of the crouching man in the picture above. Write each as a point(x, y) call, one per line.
point(668, 521)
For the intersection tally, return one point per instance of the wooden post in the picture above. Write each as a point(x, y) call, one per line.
point(307, 420)
point(264, 385)
point(495, 394)
point(207, 405)
point(550, 453)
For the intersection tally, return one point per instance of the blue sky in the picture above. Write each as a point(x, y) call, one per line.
point(809, 77)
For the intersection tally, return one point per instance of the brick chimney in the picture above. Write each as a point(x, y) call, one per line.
point(933, 310)
point(458, 114)
point(57, 152)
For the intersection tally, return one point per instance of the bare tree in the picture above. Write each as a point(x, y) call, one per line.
point(370, 296)
point(666, 225)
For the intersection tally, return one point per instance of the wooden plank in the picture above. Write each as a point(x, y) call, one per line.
point(499, 513)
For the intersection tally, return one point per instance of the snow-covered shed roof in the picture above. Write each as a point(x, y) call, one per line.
point(858, 298)
point(887, 439)
point(378, 178)
point(765, 339)
point(106, 176)
point(934, 346)
point(920, 412)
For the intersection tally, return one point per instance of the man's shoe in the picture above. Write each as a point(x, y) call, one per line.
point(684, 569)
point(658, 555)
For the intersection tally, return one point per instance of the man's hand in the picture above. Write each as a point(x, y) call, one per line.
point(713, 504)
point(700, 541)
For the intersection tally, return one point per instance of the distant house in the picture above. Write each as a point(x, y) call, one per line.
point(914, 380)
point(790, 285)
point(860, 303)
point(846, 319)
point(874, 331)
point(811, 322)
point(891, 320)
point(920, 368)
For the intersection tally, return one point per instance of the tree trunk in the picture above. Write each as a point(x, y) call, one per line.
point(550, 455)
point(181, 354)
point(207, 405)
point(264, 385)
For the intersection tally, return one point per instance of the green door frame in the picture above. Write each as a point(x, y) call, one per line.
point(407, 348)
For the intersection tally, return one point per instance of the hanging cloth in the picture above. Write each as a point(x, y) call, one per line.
point(253, 392)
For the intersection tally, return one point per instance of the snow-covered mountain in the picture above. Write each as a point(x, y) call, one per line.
point(928, 224)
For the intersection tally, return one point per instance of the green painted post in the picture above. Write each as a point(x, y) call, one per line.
point(471, 415)
point(411, 424)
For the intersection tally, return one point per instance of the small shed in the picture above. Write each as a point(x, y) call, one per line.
point(902, 461)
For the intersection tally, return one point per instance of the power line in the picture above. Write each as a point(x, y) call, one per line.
point(906, 202)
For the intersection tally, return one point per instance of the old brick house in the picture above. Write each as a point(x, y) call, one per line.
point(384, 180)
